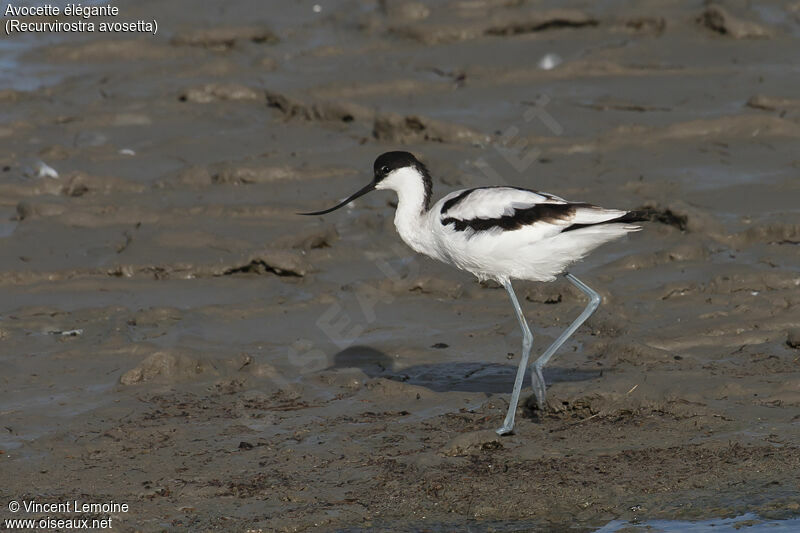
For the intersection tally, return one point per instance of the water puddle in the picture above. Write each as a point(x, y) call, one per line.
point(21, 75)
point(7, 222)
point(745, 523)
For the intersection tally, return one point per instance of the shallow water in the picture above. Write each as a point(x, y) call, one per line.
point(744, 523)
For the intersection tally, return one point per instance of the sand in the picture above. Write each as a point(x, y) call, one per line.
point(174, 337)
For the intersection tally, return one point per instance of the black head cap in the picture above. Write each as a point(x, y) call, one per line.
point(386, 163)
point(390, 161)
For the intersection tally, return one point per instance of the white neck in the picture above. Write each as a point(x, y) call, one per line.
point(410, 218)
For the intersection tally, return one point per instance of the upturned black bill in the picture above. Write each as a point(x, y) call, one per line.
point(352, 197)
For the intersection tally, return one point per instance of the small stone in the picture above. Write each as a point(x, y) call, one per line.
point(793, 338)
point(550, 61)
point(43, 170)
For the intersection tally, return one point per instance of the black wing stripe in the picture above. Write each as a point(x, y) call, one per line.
point(520, 218)
point(456, 200)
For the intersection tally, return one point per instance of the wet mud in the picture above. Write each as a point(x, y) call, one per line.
point(173, 336)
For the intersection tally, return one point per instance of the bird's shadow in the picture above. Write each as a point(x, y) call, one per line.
point(450, 376)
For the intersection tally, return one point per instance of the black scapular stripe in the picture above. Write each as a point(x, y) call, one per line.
point(519, 219)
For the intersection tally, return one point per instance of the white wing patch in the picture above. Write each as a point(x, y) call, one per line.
point(493, 202)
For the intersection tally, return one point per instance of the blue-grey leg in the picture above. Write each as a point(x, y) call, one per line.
point(537, 379)
point(527, 341)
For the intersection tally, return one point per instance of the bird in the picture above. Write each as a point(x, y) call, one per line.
point(499, 233)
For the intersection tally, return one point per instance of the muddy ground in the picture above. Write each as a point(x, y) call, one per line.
point(174, 337)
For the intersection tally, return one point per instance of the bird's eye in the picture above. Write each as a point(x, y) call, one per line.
point(384, 169)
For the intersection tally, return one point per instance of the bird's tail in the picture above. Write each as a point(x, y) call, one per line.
point(631, 217)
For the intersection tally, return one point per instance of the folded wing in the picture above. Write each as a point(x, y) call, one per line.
point(497, 209)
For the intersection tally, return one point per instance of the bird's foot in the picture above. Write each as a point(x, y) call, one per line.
point(505, 430)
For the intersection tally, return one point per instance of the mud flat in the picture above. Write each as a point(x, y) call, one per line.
point(174, 337)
